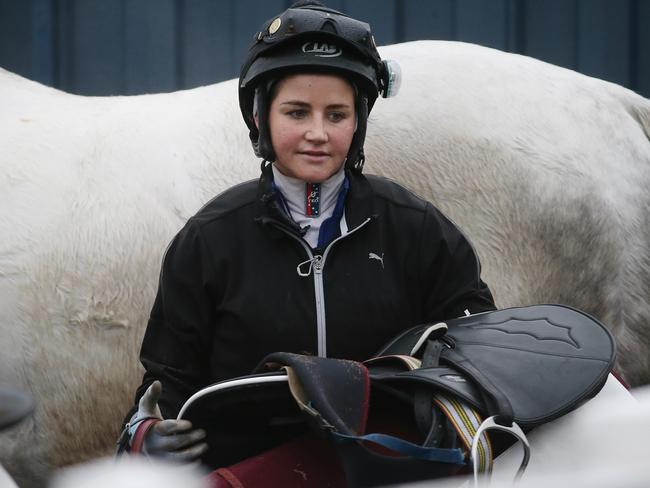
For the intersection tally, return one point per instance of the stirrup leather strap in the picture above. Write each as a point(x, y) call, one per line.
point(465, 419)
point(466, 422)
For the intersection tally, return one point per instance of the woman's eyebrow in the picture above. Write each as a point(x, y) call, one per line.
point(299, 103)
point(295, 102)
point(340, 106)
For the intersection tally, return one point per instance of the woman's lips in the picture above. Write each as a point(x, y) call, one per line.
point(315, 156)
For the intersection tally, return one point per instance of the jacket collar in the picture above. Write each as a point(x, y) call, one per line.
point(269, 207)
point(360, 202)
point(359, 205)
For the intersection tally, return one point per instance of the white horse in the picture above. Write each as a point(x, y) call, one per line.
point(546, 171)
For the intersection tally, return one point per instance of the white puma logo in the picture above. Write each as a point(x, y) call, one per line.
point(372, 255)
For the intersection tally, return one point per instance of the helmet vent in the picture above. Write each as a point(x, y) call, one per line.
point(328, 26)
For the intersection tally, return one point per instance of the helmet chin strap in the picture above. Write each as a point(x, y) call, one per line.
point(356, 157)
point(262, 143)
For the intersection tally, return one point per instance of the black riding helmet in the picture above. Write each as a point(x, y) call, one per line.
point(309, 37)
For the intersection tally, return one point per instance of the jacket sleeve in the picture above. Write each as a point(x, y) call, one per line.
point(175, 348)
point(451, 272)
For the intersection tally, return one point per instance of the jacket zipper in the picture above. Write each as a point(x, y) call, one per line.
point(317, 263)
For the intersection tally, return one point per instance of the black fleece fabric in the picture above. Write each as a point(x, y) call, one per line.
point(230, 293)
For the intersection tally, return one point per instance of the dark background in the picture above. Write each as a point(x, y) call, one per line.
point(111, 47)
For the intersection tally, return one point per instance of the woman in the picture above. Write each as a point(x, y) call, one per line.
point(313, 258)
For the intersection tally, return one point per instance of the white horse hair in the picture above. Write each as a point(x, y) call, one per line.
point(546, 170)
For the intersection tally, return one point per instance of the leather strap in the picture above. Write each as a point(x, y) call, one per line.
point(138, 438)
point(426, 416)
point(400, 446)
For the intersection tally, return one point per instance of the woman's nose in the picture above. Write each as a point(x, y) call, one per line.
point(317, 131)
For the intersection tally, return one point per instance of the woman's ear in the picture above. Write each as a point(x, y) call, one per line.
point(256, 118)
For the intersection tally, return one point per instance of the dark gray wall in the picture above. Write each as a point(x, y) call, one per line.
point(102, 47)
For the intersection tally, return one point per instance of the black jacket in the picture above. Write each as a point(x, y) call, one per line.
point(230, 290)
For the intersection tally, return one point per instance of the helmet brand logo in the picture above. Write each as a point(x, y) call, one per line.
point(321, 49)
point(456, 378)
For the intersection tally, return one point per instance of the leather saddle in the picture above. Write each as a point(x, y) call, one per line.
point(525, 365)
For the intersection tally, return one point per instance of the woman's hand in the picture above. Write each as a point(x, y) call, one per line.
point(170, 439)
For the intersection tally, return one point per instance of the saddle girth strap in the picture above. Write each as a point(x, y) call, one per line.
point(466, 421)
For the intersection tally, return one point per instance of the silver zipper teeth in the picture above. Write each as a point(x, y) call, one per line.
point(318, 263)
point(319, 291)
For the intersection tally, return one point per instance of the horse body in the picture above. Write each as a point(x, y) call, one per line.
point(544, 169)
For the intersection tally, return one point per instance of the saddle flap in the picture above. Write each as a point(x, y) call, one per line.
point(545, 329)
point(536, 363)
point(545, 359)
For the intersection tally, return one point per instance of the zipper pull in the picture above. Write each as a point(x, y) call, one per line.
point(315, 263)
point(318, 263)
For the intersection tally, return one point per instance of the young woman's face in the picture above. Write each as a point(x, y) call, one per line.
point(312, 122)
